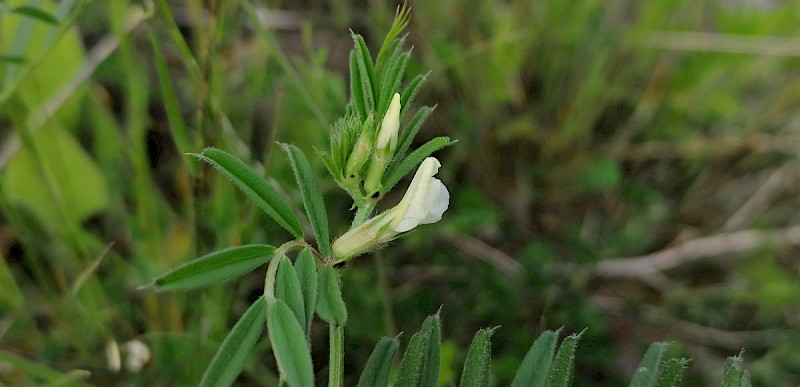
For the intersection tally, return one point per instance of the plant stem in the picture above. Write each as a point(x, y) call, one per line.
point(362, 214)
point(336, 362)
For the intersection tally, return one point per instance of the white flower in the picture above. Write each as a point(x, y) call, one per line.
point(390, 125)
point(138, 354)
point(424, 202)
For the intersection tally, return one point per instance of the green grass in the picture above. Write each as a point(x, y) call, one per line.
point(587, 132)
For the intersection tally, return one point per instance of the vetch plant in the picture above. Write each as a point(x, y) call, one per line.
point(370, 152)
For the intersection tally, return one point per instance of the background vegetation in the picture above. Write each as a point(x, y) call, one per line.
point(625, 166)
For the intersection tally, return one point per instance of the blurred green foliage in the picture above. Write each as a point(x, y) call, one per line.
point(587, 131)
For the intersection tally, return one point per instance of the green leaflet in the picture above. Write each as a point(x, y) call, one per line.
point(229, 360)
point(413, 160)
point(312, 197)
point(289, 345)
point(410, 365)
point(379, 365)
point(215, 267)
point(420, 364)
point(479, 359)
point(306, 270)
point(369, 84)
point(536, 364)
point(561, 371)
point(735, 375)
point(647, 372)
point(410, 92)
point(409, 132)
point(287, 288)
point(671, 372)
point(330, 305)
point(254, 187)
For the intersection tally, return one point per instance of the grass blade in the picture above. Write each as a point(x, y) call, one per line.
point(479, 359)
point(536, 364)
point(379, 365)
point(671, 373)
point(289, 345)
point(232, 354)
point(563, 364)
point(35, 13)
point(330, 305)
point(254, 187)
point(647, 372)
point(312, 197)
point(306, 270)
point(38, 372)
point(211, 268)
point(287, 288)
point(413, 160)
point(176, 123)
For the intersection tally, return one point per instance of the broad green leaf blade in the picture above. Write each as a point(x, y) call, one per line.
point(429, 371)
point(312, 197)
point(411, 364)
point(330, 305)
point(287, 288)
point(671, 373)
point(232, 354)
point(306, 270)
point(647, 371)
point(379, 365)
point(176, 123)
point(536, 364)
point(35, 13)
point(479, 359)
point(735, 375)
point(410, 131)
point(413, 160)
point(289, 345)
point(563, 364)
point(258, 190)
point(215, 267)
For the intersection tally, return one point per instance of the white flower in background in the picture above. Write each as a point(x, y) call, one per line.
point(424, 202)
point(138, 354)
point(390, 126)
point(112, 356)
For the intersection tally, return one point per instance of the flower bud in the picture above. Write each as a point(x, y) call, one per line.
point(390, 126)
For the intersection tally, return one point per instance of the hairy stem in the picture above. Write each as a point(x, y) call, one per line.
point(362, 214)
point(336, 363)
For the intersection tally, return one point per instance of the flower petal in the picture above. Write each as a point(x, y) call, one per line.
point(437, 201)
